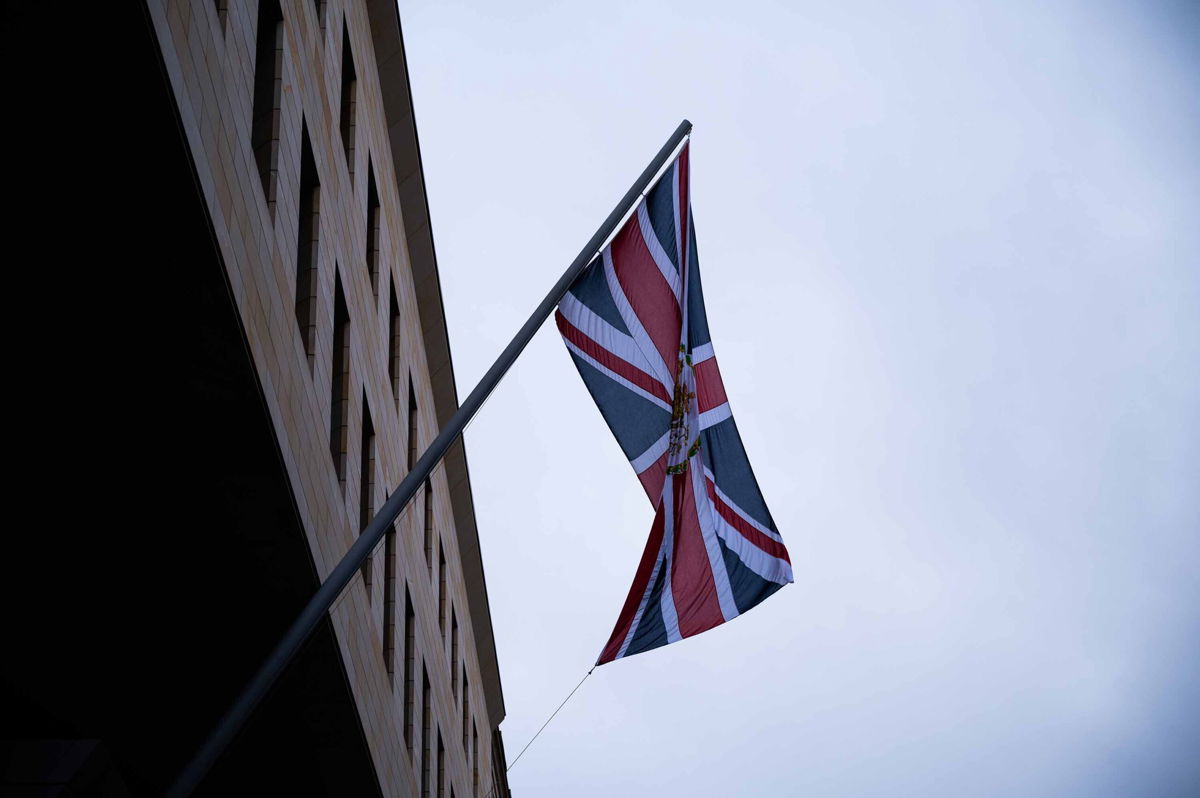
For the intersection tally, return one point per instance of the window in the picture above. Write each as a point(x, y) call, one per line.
point(320, 8)
point(412, 430)
point(366, 487)
point(339, 405)
point(394, 353)
point(426, 722)
point(453, 653)
point(268, 82)
point(475, 759)
point(389, 604)
point(429, 527)
point(440, 784)
point(442, 592)
point(349, 98)
point(373, 229)
point(308, 239)
point(410, 669)
point(466, 708)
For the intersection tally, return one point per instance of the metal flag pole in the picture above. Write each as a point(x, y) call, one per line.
point(232, 721)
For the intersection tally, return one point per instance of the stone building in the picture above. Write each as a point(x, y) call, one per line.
point(266, 358)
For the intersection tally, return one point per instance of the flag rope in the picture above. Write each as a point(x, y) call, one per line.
point(544, 725)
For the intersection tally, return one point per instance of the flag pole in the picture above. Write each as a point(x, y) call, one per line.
point(235, 717)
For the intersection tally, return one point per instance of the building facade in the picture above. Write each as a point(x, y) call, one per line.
point(299, 119)
point(288, 359)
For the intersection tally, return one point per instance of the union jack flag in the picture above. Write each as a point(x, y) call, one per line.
point(635, 326)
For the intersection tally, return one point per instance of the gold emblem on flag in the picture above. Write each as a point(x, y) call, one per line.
point(681, 418)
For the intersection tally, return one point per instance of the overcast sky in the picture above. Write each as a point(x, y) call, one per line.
point(952, 261)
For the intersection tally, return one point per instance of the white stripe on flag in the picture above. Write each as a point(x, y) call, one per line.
point(771, 533)
point(702, 353)
point(651, 455)
point(745, 516)
point(706, 515)
point(769, 567)
point(658, 368)
point(661, 259)
point(612, 375)
point(637, 617)
point(714, 416)
point(669, 613)
point(607, 336)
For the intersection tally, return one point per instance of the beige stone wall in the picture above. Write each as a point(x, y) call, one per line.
point(211, 73)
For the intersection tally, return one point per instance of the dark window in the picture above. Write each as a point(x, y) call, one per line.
point(442, 592)
point(410, 669)
point(412, 430)
point(394, 346)
point(389, 603)
point(439, 785)
point(429, 526)
point(466, 708)
point(339, 406)
point(320, 7)
point(268, 82)
point(349, 98)
point(222, 8)
point(454, 653)
point(374, 240)
point(426, 723)
point(475, 758)
point(366, 487)
point(308, 240)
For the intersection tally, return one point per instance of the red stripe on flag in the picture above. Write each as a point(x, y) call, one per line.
point(610, 361)
point(710, 390)
point(648, 293)
point(636, 593)
point(692, 584)
point(735, 520)
point(652, 479)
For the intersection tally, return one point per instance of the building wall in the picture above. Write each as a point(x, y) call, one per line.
point(209, 49)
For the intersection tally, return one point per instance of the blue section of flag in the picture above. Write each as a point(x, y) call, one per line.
point(651, 632)
point(592, 290)
point(698, 334)
point(724, 455)
point(636, 422)
point(660, 202)
point(748, 587)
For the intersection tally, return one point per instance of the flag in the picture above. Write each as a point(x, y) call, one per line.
point(635, 325)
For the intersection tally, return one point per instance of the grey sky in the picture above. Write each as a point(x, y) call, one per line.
point(952, 265)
